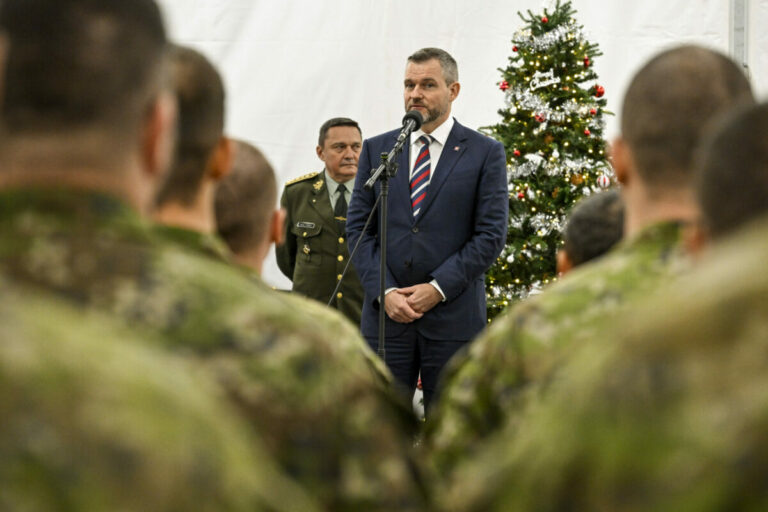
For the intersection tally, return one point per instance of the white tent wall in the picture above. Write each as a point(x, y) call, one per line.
point(290, 65)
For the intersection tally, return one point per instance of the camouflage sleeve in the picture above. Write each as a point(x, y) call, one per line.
point(93, 420)
point(286, 252)
point(493, 382)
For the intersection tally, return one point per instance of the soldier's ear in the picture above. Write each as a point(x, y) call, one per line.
point(621, 158)
point(696, 238)
point(319, 151)
point(564, 263)
point(220, 163)
point(277, 227)
point(158, 135)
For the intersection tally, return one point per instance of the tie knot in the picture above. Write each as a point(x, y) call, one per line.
point(426, 139)
point(341, 189)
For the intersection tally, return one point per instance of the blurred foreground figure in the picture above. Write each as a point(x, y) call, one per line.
point(203, 156)
point(666, 409)
point(94, 420)
point(593, 227)
point(246, 218)
point(88, 122)
point(511, 364)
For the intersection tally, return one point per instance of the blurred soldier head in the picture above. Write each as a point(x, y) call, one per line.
point(594, 225)
point(338, 146)
point(666, 109)
point(203, 155)
point(86, 101)
point(732, 180)
point(246, 217)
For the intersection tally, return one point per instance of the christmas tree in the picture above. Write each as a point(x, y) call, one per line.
point(552, 130)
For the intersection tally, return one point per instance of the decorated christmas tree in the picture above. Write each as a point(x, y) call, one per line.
point(552, 130)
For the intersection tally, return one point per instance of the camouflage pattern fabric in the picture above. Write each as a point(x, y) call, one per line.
point(511, 362)
point(93, 419)
point(297, 371)
point(665, 410)
point(207, 244)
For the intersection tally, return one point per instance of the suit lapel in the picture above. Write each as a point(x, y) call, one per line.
point(321, 203)
point(452, 151)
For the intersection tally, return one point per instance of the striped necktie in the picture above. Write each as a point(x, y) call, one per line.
point(420, 176)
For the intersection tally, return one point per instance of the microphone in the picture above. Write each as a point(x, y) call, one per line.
point(411, 122)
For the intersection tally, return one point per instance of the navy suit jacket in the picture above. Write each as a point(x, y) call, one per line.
point(460, 231)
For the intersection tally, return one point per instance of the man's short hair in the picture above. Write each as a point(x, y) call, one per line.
point(245, 199)
point(447, 63)
point(331, 123)
point(594, 225)
point(732, 182)
point(200, 93)
point(80, 65)
point(668, 106)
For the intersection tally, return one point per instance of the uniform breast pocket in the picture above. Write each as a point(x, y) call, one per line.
point(308, 250)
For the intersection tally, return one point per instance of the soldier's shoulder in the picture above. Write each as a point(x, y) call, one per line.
point(302, 179)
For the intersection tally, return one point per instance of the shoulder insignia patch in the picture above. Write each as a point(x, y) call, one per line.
point(302, 178)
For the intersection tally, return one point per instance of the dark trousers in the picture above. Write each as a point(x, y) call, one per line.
point(410, 353)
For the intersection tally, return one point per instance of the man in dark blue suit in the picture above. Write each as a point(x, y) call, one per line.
point(447, 224)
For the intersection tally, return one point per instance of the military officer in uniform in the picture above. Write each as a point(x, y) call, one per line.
point(315, 251)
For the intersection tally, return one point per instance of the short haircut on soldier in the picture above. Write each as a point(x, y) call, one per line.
point(245, 199)
point(594, 226)
point(332, 123)
point(732, 178)
point(447, 63)
point(78, 66)
point(668, 105)
point(200, 94)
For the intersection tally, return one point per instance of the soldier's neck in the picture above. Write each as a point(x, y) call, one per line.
point(645, 207)
point(122, 184)
point(252, 258)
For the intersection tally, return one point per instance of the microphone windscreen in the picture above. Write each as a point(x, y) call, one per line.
point(415, 116)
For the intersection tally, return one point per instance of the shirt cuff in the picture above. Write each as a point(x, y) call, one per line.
point(386, 292)
point(437, 287)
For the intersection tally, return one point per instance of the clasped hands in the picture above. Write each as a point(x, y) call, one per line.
point(404, 305)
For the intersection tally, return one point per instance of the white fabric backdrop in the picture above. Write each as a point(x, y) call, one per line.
point(290, 65)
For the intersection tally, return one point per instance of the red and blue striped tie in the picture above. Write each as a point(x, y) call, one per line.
point(420, 176)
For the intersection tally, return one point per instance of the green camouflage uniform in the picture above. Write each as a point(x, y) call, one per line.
point(666, 410)
point(299, 372)
point(92, 419)
point(491, 383)
point(315, 251)
point(208, 245)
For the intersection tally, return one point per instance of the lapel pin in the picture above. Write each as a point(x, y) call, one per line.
point(456, 148)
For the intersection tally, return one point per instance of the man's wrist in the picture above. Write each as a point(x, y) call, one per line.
point(439, 290)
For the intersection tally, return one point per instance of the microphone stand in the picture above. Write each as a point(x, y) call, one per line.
point(385, 171)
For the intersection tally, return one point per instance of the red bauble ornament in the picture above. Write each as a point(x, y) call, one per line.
point(516, 152)
point(520, 195)
point(545, 20)
point(599, 91)
point(586, 62)
point(514, 48)
point(604, 181)
point(587, 132)
point(504, 85)
point(540, 118)
point(593, 111)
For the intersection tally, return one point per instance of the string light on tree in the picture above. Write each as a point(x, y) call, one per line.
point(552, 129)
